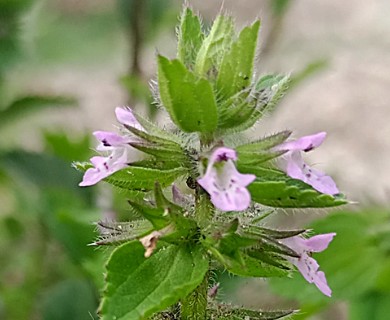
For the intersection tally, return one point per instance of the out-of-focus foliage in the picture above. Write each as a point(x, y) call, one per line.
point(45, 223)
point(11, 12)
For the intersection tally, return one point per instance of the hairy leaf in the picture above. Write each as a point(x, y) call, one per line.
point(190, 37)
point(235, 73)
point(216, 43)
point(226, 312)
point(137, 286)
point(189, 100)
point(274, 188)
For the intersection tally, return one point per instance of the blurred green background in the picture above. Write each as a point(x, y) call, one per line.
point(65, 65)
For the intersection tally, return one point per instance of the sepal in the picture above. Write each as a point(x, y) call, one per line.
point(227, 312)
point(242, 110)
point(264, 95)
point(158, 217)
point(161, 148)
point(114, 233)
point(259, 151)
point(236, 110)
point(235, 72)
point(268, 91)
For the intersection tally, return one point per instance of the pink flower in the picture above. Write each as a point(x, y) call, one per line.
point(296, 168)
point(125, 116)
point(306, 265)
point(226, 186)
point(115, 145)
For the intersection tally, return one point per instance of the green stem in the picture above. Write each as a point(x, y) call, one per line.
point(194, 306)
point(203, 208)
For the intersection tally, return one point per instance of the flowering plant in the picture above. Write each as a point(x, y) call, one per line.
point(200, 194)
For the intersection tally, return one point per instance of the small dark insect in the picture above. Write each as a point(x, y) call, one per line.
point(191, 183)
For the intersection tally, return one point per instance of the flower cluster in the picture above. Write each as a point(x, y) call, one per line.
point(200, 194)
point(115, 145)
point(226, 186)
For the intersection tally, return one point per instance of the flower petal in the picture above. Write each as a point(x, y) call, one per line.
point(125, 116)
point(322, 284)
point(104, 167)
point(306, 143)
point(222, 154)
point(297, 169)
point(319, 242)
point(308, 266)
point(99, 172)
point(111, 139)
point(225, 185)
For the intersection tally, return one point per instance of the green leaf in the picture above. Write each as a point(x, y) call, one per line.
point(235, 73)
point(250, 266)
point(162, 201)
point(235, 111)
point(20, 107)
point(264, 143)
point(113, 233)
point(157, 216)
point(215, 45)
point(190, 37)
point(274, 188)
point(190, 101)
point(269, 90)
point(226, 312)
point(260, 151)
point(163, 152)
point(245, 108)
point(137, 286)
point(138, 178)
point(275, 234)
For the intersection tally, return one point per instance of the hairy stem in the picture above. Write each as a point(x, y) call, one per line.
point(194, 306)
point(203, 208)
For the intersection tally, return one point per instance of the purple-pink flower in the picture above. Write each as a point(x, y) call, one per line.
point(117, 147)
point(225, 185)
point(296, 168)
point(306, 265)
point(125, 116)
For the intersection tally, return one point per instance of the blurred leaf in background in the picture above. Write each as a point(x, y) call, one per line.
point(11, 13)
